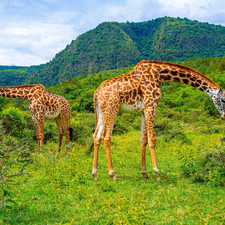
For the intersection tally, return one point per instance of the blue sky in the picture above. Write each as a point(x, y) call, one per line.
point(33, 31)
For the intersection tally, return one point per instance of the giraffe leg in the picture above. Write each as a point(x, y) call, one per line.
point(41, 129)
point(109, 120)
point(97, 141)
point(144, 141)
point(37, 130)
point(65, 122)
point(60, 131)
point(149, 115)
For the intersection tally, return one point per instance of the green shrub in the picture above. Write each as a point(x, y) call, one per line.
point(208, 168)
point(83, 125)
point(171, 131)
point(17, 123)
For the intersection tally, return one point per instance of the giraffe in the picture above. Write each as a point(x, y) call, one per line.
point(42, 105)
point(138, 90)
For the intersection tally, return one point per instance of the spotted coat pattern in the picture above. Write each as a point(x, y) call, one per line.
point(139, 90)
point(42, 105)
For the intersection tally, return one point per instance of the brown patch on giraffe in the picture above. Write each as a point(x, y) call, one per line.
point(165, 71)
point(174, 73)
point(166, 77)
point(181, 74)
point(185, 81)
point(176, 79)
point(197, 85)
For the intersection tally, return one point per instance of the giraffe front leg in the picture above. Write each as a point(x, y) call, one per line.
point(149, 115)
point(144, 141)
point(41, 130)
point(38, 136)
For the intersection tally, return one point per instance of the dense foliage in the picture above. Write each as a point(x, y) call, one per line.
point(15, 75)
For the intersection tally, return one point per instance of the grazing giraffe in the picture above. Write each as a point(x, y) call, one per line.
point(42, 105)
point(138, 90)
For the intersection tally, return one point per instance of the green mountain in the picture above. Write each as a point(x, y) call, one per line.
point(113, 45)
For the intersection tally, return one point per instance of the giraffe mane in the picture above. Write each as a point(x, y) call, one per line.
point(25, 86)
point(179, 66)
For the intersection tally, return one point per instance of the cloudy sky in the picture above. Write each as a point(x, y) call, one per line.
point(33, 31)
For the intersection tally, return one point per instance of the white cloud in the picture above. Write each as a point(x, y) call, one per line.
point(32, 32)
point(33, 44)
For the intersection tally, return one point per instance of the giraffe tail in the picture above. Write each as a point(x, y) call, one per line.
point(71, 133)
point(95, 109)
point(96, 117)
point(70, 130)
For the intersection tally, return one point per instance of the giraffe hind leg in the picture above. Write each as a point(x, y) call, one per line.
point(97, 141)
point(60, 131)
point(65, 122)
point(107, 144)
point(110, 114)
point(144, 141)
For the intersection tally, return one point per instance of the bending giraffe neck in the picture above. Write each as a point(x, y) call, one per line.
point(22, 92)
point(182, 74)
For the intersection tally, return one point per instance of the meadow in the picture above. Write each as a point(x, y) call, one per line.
point(42, 188)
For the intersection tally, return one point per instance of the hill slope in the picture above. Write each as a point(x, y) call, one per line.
point(112, 45)
point(15, 75)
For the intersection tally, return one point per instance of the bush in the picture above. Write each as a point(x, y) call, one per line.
point(17, 123)
point(171, 131)
point(208, 168)
point(83, 125)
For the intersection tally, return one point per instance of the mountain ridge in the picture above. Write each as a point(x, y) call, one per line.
point(113, 45)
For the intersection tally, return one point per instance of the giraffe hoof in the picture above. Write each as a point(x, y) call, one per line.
point(112, 174)
point(156, 169)
point(145, 175)
point(114, 178)
point(96, 178)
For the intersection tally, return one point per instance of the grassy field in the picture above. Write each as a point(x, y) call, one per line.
point(61, 190)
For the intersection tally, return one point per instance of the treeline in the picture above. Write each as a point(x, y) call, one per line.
point(15, 75)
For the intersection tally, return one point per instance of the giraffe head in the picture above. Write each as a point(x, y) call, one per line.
point(219, 101)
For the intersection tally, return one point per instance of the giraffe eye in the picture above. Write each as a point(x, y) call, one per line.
point(222, 100)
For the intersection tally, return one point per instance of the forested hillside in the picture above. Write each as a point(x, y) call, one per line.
point(15, 75)
point(112, 45)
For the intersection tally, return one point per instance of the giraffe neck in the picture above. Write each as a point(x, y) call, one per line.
point(185, 75)
point(21, 92)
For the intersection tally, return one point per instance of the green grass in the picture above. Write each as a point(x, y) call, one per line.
point(61, 190)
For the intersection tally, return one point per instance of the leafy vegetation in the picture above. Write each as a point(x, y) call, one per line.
point(15, 75)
